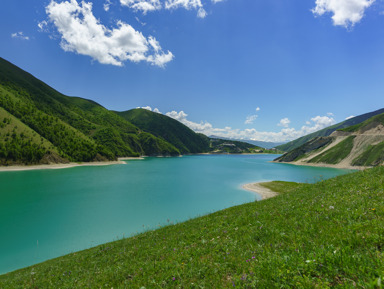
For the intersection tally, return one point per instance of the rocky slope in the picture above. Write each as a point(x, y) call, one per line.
point(361, 145)
point(328, 130)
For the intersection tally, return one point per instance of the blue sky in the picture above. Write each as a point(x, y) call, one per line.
point(265, 70)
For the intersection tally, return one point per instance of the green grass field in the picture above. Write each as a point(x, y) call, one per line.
point(323, 235)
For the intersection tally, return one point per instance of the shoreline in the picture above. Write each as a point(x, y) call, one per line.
point(16, 168)
point(264, 192)
point(323, 165)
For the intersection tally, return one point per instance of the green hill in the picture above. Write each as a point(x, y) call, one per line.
point(76, 129)
point(328, 131)
point(323, 235)
point(358, 145)
point(41, 125)
point(182, 137)
point(169, 129)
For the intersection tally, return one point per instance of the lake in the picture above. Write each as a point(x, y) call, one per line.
point(47, 213)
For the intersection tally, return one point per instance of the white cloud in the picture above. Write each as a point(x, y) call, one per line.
point(345, 12)
point(284, 122)
point(106, 5)
point(257, 108)
point(285, 134)
point(349, 117)
point(250, 119)
point(19, 35)
point(330, 114)
point(82, 33)
point(217, 1)
point(323, 121)
point(154, 5)
point(43, 26)
point(142, 5)
point(201, 13)
point(187, 4)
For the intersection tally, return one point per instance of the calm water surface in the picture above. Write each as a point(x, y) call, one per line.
point(48, 213)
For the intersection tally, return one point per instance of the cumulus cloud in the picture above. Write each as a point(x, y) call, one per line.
point(142, 5)
point(285, 134)
point(187, 4)
point(19, 35)
point(146, 6)
point(250, 119)
point(345, 12)
point(349, 117)
point(82, 33)
point(284, 122)
point(217, 1)
point(257, 108)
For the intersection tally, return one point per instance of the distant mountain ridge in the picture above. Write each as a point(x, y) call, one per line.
point(358, 145)
point(263, 144)
point(328, 130)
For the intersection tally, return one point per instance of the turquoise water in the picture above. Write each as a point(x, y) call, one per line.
point(48, 213)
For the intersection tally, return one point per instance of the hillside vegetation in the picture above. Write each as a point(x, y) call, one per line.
point(182, 137)
point(41, 125)
point(76, 129)
point(358, 145)
point(169, 129)
point(322, 235)
point(328, 130)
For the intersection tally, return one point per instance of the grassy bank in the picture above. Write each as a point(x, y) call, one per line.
point(328, 234)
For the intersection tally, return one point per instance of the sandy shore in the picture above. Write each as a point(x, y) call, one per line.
point(120, 161)
point(260, 190)
point(322, 165)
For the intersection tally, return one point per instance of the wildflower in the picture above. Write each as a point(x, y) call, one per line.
point(173, 278)
point(331, 207)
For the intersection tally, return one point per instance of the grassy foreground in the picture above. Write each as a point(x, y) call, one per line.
point(328, 234)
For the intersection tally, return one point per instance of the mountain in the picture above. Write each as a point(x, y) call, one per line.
point(182, 137)
point(168, 129)
point(262, 144)
point(328, 131)
point(361, 144)
point(220, 146)
point(41, 125)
